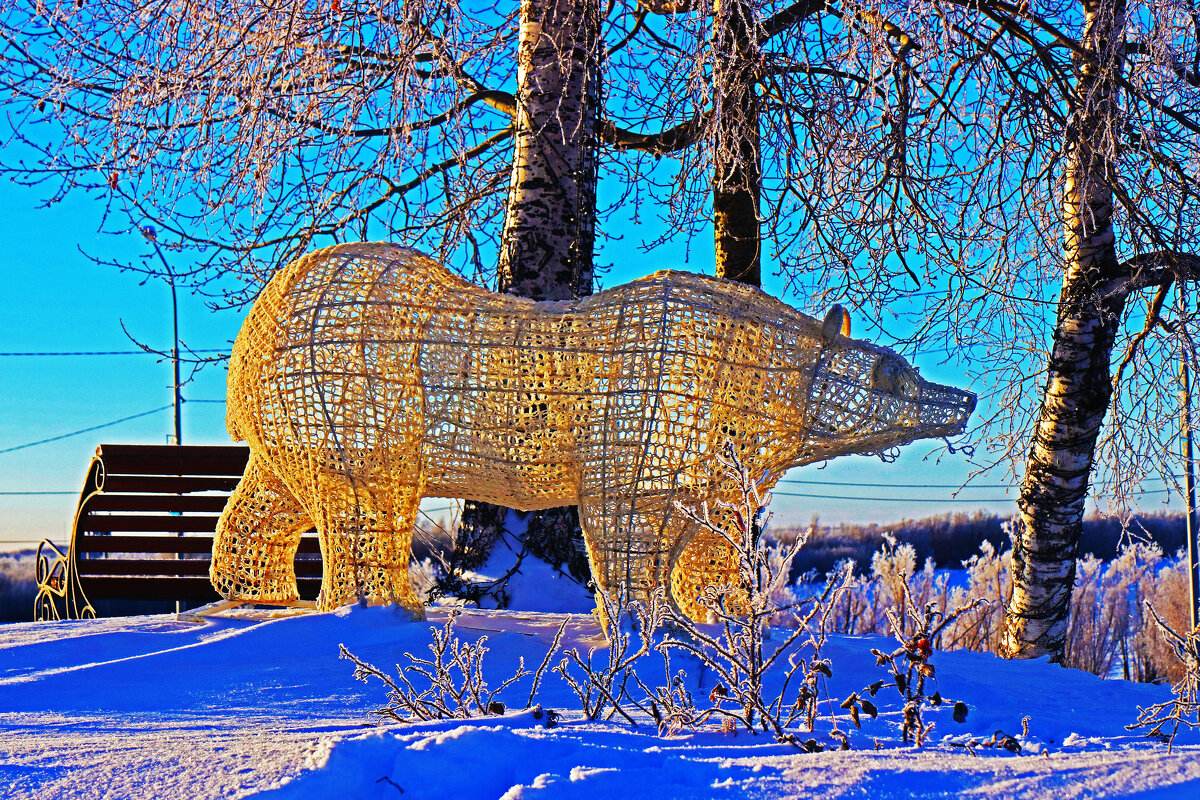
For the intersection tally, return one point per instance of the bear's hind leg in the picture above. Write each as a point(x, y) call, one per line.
point(254, 549)
point(366, 547)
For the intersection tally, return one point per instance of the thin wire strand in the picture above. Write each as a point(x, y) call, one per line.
point(84, 430)
point(99, 353)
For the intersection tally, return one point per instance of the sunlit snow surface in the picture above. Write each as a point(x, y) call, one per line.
point(153, 707)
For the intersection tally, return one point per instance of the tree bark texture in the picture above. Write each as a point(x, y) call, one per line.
point(550, 219)
point(737, 169)
point(1079, 383)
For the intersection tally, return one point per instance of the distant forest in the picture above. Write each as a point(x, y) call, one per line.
point(950, 539)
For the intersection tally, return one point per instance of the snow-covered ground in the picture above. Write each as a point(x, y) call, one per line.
point(155, 707)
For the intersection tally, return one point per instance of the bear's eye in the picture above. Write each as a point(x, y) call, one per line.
point(883, 377)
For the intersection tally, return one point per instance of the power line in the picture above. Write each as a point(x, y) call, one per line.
point(902, 485)
point(83, 430)
point(925, 485)
point(898, 499)
point(80, 353)
point(964, 500)
point(86, 430)
point(31, 354)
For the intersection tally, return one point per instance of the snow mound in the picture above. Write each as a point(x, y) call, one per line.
point(156, 708)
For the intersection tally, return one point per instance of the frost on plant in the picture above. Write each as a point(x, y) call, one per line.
point(1108, 634)
point(737, 643)
point(1164, 719)
point(603, 684)
point(450, 684)
point(910, 668)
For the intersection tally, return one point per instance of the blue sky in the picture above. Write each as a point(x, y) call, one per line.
point(55, 300)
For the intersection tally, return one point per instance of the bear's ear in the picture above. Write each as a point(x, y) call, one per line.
point(837, 320)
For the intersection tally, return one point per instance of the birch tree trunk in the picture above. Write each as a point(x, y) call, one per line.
point(737, 169)
point(550, 219)
point(1078, 386)
point(549, 227)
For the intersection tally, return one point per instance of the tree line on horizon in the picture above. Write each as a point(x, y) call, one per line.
point(951, 539)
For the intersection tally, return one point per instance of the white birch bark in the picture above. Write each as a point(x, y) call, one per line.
point(550, 218)
point(1078, 386)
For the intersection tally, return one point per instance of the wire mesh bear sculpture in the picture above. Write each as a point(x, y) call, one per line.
point(368, 376)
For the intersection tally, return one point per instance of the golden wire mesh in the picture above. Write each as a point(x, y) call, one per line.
point(368, 376)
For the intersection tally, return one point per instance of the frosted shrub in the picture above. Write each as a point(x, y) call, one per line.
point(603, 683)
point(1153, 657)
point(738, 647)
point(735, 643)
point(852, 610)
point(740, 644)
point(778, 562)
point(1105, 608)
point(1164, 719)
point(891, 565)
point(1108, 634)
point(910, 668)
point(424, 576)
point(740, 651)
point(901, 589)
point(1087, 624)
point(988, 578)
point(450, 683)
point(893, 583)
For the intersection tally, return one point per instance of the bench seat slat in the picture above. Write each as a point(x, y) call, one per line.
point(203, 504)
point(197, 543)
point(192, 588)
point(173, 459)
point(168, 484)
point(111, 523)
point(168, 567)
point(164, 567)
point(93, 543)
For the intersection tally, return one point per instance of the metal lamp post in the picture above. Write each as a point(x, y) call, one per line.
point(1189, 475)
point(152, 237)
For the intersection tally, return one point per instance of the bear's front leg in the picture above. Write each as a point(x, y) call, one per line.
point(628, 541)
point(707, 560)
point(254, 549)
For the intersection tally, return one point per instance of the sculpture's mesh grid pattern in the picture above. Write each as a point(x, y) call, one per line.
point(368, 376)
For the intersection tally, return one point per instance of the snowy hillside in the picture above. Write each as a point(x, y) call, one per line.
point(154, 707)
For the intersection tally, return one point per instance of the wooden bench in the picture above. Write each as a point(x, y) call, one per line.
point(144, 528)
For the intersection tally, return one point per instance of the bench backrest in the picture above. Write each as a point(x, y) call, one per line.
point(146, 517)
